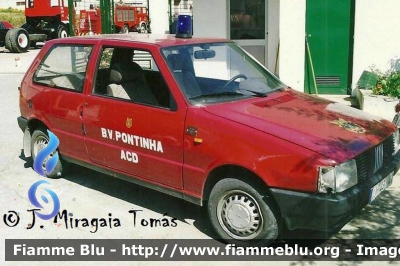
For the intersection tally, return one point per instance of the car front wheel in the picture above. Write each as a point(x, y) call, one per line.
point(240, 215)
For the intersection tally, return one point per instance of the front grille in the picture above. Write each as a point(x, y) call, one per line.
point(369, 162)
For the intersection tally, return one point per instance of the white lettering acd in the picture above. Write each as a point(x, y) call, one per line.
point(129, 156)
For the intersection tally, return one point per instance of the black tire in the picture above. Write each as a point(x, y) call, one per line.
point(7, 40)
point(125, 29)
point(143, 28)
point(240, 215)
point(62, 32)
point(39, 140)
point(19, 40)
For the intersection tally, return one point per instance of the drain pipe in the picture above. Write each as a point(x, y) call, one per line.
point(312, 66)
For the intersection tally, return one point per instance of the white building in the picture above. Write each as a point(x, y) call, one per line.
point(19, 4)
point(373, 36)
point(325, 42)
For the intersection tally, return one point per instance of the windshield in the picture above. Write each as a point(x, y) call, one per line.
point(217, 72)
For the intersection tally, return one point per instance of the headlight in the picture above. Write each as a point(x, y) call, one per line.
point(338, 178)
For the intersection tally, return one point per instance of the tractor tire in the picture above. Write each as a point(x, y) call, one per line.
point(62, 32)
point(8, 40)
point(19, 40)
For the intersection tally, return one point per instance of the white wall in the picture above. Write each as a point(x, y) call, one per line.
point(376, 35)
point(159, 16)
point(210, 18)
point(214, 22)
point(376, 38)
point(273, 35)
point(292, 43)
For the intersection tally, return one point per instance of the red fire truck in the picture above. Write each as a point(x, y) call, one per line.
point(126, 18)
point(46, 19)
point(49, 19)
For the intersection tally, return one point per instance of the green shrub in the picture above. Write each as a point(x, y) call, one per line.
point(15, 16)
point(388, 83)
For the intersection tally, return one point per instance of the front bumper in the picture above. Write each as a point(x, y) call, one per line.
point(329, 212)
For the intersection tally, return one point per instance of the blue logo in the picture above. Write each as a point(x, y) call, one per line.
point(35, 202)
point(44, 154)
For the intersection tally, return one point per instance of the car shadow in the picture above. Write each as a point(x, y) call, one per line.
point(379, 220)
point(141, 196)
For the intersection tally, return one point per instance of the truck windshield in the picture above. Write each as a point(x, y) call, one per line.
point(217, 72)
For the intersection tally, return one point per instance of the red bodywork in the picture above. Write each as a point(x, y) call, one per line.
point(7, 25)
point(46, 19)
point(44, 8)
point(89, 21)
point(282, 139)
point(288, 127)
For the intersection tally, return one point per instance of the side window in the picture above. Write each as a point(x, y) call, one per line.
point(64, 67)
point(132, 75)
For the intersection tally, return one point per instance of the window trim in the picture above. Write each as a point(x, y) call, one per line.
point(43, 61)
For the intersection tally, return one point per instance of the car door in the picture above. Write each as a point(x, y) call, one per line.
point(57, 94)
point(131, 123)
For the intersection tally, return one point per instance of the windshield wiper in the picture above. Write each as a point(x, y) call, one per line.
point(216, 94)
point(256, 93)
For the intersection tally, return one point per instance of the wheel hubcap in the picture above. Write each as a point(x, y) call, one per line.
point(64, 34)
point(239, 215)
point(23, 40)
point(40, 144)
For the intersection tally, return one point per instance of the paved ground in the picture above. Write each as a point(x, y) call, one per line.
point(88, 194)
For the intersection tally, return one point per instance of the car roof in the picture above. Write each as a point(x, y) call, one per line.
point(163, 40)
point(6, 24)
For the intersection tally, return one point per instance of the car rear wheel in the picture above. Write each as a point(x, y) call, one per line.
point(39, 141)
point(240, 215)
point(19, 40)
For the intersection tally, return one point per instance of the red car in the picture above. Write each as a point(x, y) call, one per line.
point(4, 28)
point(200, 119)
point(14, 39)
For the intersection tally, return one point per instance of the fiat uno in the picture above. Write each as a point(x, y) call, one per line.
point(201, 120)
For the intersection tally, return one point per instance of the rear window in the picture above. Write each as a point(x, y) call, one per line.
point(64, 67)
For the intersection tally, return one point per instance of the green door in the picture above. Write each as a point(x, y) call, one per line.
point(329, 46)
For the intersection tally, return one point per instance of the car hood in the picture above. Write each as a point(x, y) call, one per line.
point(334, 130)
